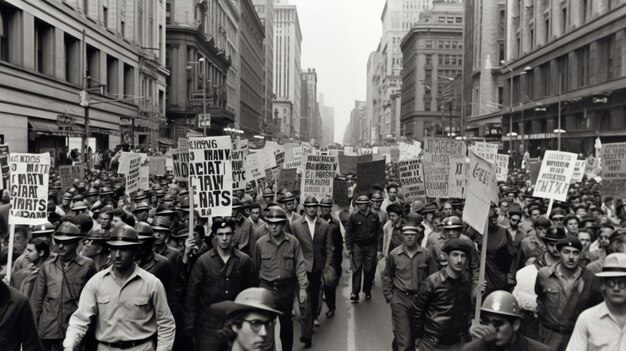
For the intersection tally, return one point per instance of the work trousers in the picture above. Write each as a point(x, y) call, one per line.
point(309, 310)
point(330, 291)
point(403, 324)
point(554, 340)
point(363, 264)
point(283, 297)
point(427, 344)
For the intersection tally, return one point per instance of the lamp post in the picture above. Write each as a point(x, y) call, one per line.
point(510, 105)
point(526, 70)
point(559, 114)
point(203, 63)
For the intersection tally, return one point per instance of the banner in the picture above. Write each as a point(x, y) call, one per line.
point(211, 175)
point(348, 164)
point(368, 174)
point(437, 154)
point(456, 177)
point(488, 151)
point(287, 179)
point(157, 165)
point(502, 167)
point(317, 176)
point(579, 171)
point(4, 164)
point(480, 192)
point(614, 169)
point(144, 175)
point(29, 188)
point(69, 173)
point(411, 174)
point(180, 157)
point(340, 192)
point(555, 175)
point(240, 151)
point(132, 176)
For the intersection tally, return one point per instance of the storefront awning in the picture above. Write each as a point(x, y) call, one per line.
point(167, 142)
point(45, 127)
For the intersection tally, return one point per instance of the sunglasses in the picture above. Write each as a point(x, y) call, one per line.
point(612, 283)
point(256, 324)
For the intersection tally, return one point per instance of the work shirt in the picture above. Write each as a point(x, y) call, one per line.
point(244, 236)
point(134, 310)
point(280, 261)
point(260, 229)
point(404, 272)
point(364, 229)
point(311, 224)
point(597, 329)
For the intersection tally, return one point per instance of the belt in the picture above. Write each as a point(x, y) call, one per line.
point(407, 293)
point(446, 341)
point(127, 344)
point(278, 283)
point(554, 328)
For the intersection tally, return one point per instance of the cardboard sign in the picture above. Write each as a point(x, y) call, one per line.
point(368, 174)
point(579, 171)
point(287, 179)
point(4, 164)
point(29, 188)
point(180, 159)
point(144, 175)
point(340, 192)
point(169, 163)
point(240, 151)
point(408, 151)
point(157, 165)
point(254, 169)
point(488, 151)
point(132, 177)
point(211, 175)
point(481, 180)
point(456, 177)
point(318, 173)
point(614, 169)
point(411, 174)
point(555, 175)
point(437, 155)
point(69, 173)
point(348, 164)
point(502, 167)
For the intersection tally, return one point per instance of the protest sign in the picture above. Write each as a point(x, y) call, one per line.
point(456, 177)
point(554, 175)
point(480, 192)
point(169, 163)
point(317, 176)
point(157, 165)
point(29, 188)
point(181, 160)
point(408, 151)
point(437, 154)
point(340, 192)
point(370, 173)
point(348, 164)
point(211, 175)
point(502, 167)
point(144, 175)
point(579, 171)
point(348, 151)
point(614, 169)
point(287, 179)
point(411, 174)
point(488, 151)
point(132, 176)
point(4, 164)
point(69, 173)
point(240, 151)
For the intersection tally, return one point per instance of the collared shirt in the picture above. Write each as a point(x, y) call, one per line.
point(260, 229)
point(311, 224)
point(597, 329)
point(135, 310)
point(404, 272)
point(280, 261)
point(364, 229)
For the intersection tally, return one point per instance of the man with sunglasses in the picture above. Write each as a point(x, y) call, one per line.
point(602, 327)
point(501, 321)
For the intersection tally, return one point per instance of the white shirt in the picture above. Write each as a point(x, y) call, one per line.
point(524, 291)
point(311, 224)
point(597, 329)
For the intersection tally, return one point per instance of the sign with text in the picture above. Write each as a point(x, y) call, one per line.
point(211, 175)
point(29, 188)
point(254, 169)
point(240, 151)
point(408, 151)
point(157, 165)
point(411, 174)
point(132, 177)
point(579, 171)
point(69, 173)
point(456, 177)
point(4, 163)
point(481, 182)
point(437, 154)
point(287, 179)
point(502, 167)
point(180, 158)
point(368, 174)
point(555, 175)
point(317, 176)
point(614, 169)
point(488, 151)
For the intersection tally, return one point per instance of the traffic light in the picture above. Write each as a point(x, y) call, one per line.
point(83, 98)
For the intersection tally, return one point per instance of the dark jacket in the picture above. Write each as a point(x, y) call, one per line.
point(523, 344)
point(17, 327)
point(162, 268)
point(442, 307)
point(365, 230)
point(500, 252)
point(317, 250)
point(335, 233)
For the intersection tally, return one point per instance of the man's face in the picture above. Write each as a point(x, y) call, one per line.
point(394, 218)
point(255, 333)
point(142, 215)
point(409, 240)
point(362, 207)
point(504, 208)
point(224, 237)
point(505, 329)
point(20, 241)
point(311, 211)
point(235, 213)
point(551, 248)
point(437, 225)
point(392, 192)
point(325, 210)
point(447, 209)
point(605, 234)
point(452, 233)
point(89, 248)
point(31, 253)
point(255, 214)
point(614, 290)
point(493, 216)
point(290, 205)
point(376, 204)
point(123, 257)
point(116, 222)
point(66, 248)
point(160, 237)
point(456, 260)
point(514, 221)
point(510, 197)
point(534, 214)
point(572, 226)
point(585, 239)
point(276, 228)
point(104, 220)
point(616, 245)
point(569, 257)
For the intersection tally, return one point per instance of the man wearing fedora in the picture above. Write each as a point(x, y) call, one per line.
point(127, 304)
point(250, 320)
point(58, 286)
point(602, 327)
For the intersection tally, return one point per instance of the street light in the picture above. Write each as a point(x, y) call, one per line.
point(201, 61)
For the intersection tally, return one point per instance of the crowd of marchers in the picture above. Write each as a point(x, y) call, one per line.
point(116, 272)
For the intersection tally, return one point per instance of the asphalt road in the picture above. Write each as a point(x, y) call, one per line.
point(361, 326)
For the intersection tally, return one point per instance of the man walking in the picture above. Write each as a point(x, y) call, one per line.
point(334, 230)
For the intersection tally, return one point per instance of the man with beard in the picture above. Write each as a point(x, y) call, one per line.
point(217, 276)
point(564, 290)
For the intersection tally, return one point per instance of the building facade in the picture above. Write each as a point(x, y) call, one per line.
point(287, 70)
point(431, 76)
point(485, 29)
point(358, 123)
point(265, 11)
point(328, 122)
point(51, 50)
point(252, 59)
point(200, 56)
point(375, 76)
point(572, 54)
point(309, 123)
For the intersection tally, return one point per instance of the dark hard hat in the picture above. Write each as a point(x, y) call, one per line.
point(180, 232)
point(162, 223)
point(165, 209)
point(79, 205)
point(142, 206)
point(236, 203)
point(326, 202)
point(98, 234)
point(57, 184)
point(311, 202)
point(184, 203)
point(144, 231)
point(542, 222)
point(429, 208)
point(160, 193)
point(67, 231)
point(502, 302)
point(362, 199)
point(91, 192)
point(106, 191)
point(123, 235)
point(569, 241)
point(554, 234)
point(68, 196)
point(276, 215)
point(457, 245)
point(377, 197)
point(268, 193)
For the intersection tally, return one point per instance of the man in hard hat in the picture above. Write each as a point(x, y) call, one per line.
point(334, 230)
point(602, 327)
point(500, 326)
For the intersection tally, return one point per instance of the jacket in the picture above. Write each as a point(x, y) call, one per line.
point(522, 344)
point(364, 229)
point(56, 294)
point(500, 252)
point(317, 250)
point(334, 230)
point(442, 307)
point(17, 327)
point(163, 269)
point(244, 236)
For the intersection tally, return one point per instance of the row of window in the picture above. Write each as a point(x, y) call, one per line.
point(444, 44)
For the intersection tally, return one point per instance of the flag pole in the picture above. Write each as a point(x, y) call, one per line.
point(10, 257)
point(481, 274)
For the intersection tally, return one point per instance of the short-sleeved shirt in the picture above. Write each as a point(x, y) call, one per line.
point(280, 261)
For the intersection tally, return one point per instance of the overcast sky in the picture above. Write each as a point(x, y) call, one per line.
point(337, 38)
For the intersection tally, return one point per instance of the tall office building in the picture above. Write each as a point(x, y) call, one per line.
point(265, 10)
point(252, 70)
point(328, 122)
point(309, 107)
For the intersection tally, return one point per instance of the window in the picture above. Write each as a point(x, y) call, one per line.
point(86, 7)
point(93, 64)
point(428, 44)
point(105, 16)
point(112, 80)
point(584, 10)
point(123, 28)
point(429, 59)
point(563, 65)
point(546, 37)
point(607, 55)
point(582, 69)
point(545, 78)
point(532, 38)
point(563, 20)
point(501, 51)
point(129, 81)
point(458, 19)
point(44, 47)
point(72, 59)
